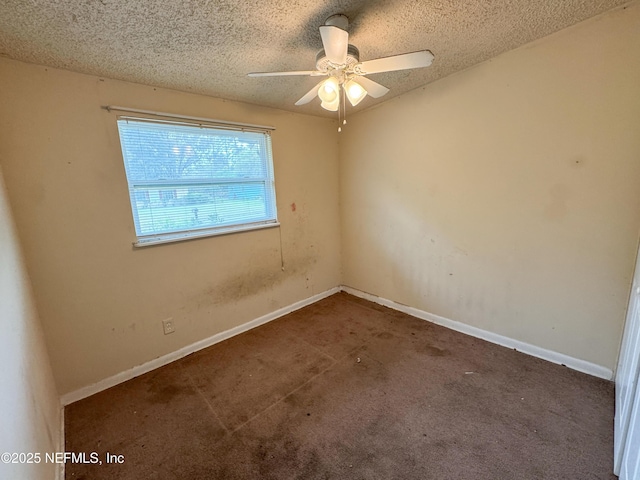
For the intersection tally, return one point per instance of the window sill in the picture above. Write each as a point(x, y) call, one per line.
point(194, 234)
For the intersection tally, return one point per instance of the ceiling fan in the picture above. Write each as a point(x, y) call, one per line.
point(340, 61)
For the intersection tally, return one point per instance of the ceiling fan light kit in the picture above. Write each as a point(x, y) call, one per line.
point(331, 106)
point(329, 89)
point(355, 92)
point(340, 61)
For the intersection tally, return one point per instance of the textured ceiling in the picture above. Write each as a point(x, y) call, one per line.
point(208, 46)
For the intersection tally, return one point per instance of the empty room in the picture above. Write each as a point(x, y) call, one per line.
point(343, 239)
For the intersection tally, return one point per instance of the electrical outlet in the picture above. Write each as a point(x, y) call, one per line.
point(168, 326)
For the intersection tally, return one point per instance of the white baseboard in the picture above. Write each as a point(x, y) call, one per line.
point(533, 350)
point(121, 377)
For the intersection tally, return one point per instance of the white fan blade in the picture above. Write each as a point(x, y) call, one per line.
point(398, 62)
point(310, 95)
point(335, 42)
point(374, 89)
point(312, 73)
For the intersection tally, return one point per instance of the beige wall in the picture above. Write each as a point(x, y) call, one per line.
point(507, 196)
point(29, 406)
point(102, 302)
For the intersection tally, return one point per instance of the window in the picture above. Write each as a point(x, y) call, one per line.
point(188, 180)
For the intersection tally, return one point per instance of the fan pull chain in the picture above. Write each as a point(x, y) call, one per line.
point(342, 109)
point(340, 103)
point(344, 103)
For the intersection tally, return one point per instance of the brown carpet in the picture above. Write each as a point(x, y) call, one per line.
point(348, 389)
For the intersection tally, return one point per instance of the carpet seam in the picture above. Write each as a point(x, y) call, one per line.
point(204, 398)
point(285, 397)
point(317, 349)
point(335, 362)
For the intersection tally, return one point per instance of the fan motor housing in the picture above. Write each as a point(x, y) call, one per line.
point(323, 64)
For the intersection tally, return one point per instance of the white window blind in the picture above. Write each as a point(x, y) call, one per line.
point(188, 180)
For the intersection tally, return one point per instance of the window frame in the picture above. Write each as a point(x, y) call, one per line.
point(137, 186)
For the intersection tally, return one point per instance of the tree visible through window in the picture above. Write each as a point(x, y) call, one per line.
point(195, 180)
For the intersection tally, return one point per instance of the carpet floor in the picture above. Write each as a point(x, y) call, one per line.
point(347, 389)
